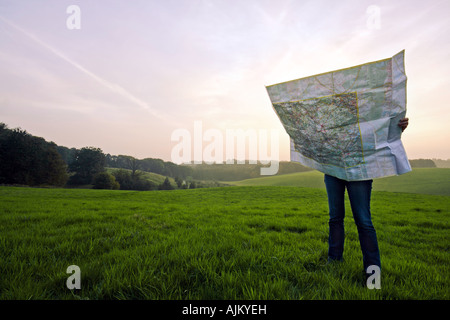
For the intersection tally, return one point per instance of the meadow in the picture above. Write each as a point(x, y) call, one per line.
point(419, 180)
point(241, 242)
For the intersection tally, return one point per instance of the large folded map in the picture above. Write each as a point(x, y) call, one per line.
point(345, 123)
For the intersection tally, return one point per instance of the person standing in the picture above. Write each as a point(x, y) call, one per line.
point(359, 193)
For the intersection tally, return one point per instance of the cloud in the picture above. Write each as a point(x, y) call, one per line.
point(105, 83)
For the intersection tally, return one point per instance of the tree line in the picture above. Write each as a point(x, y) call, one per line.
point(422, 163)
point(88, 166)
point(236, 172)
point(164, 168)
point(29, 160)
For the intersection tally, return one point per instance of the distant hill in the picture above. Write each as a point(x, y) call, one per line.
point(236, 172)
point(150, 176)
point(442, 163)
point(419, 180)
point(422, 163)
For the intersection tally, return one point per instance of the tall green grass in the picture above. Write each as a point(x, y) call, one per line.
point(224, 243)
point(217, 243)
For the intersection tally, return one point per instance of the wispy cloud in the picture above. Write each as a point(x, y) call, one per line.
point(111, 86)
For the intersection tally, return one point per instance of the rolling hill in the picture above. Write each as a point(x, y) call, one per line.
point(420, 180)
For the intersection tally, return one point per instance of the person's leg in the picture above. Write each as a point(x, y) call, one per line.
point(335, 190)
point(359, 193)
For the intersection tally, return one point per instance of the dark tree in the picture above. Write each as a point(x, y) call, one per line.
point(179, 182)
point(87, 162)
point(104, 180)
point(26, 159)
point(136, 182)
point(56, 173)
point(166, 185)
point(68, 155)
point(131, 163)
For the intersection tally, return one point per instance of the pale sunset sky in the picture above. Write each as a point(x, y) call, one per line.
point(135, 71)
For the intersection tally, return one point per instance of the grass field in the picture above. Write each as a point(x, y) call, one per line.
point(258, 242)
point(420, 180)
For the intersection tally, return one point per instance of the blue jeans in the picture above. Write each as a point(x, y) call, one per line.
point(359, 194)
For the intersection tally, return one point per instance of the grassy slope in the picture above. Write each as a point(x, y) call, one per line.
point(219, 243)
point(153, 177)
point(421, 180)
